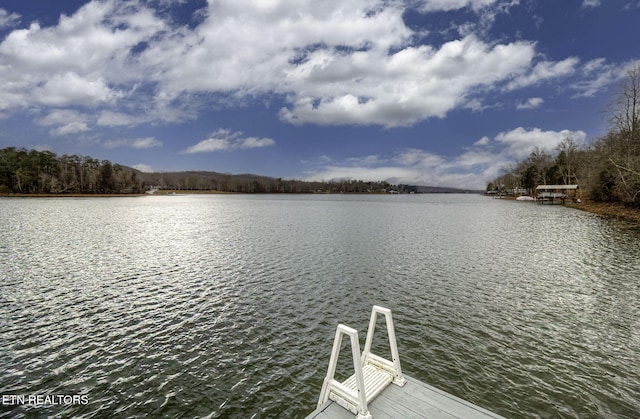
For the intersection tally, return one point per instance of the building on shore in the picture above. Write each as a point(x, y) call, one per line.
point(552, 194)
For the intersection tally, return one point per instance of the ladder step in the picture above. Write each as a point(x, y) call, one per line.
point(375, 381)
point(372, 374)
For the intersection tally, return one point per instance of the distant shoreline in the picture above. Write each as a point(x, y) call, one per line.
point(170, 192)
point(68, 195)
point(611, 210)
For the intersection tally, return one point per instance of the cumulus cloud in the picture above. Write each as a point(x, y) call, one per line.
point(447, 5)
point(482, 141)
point(597, 75)
point(8, 19)
point(544, 71)
point(399, 174)
point(62, 116)
point(115, 119)
point(590, 3)
point(225, 139)
point(138, 143)
point(70, 128)
point(520, 141)
point(66, 121)
point(143, 168)
point(473, 168)
point(81, 61)
point(413, 84)
point(71, 89)
point(332, 62)
point(254, 142)
point(531, 103)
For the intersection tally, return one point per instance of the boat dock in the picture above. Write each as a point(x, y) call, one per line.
point(548, 194)
point(415, 400)
point(378, 389)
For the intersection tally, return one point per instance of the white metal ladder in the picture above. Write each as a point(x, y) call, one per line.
point(372, 373)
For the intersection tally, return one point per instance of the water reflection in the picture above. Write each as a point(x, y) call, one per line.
point(226, 305)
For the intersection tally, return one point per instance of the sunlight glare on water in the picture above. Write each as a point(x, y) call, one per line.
point(226, 306)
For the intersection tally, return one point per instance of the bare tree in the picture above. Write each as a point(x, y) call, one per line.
point(567, 160)
point(624, 139)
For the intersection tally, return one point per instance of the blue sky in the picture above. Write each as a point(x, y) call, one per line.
point(432, 92)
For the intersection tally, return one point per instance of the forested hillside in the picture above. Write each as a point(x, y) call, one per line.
point(43, 172)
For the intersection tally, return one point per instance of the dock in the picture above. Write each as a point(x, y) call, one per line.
point(548, 194)
point(378, 389)
point(415, 400)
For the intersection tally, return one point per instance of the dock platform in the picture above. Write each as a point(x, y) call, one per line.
point(415, 400)
point(379, 390)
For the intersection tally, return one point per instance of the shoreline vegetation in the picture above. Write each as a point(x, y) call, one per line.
point(43, 173)
point(606, 171)
point(610, 210)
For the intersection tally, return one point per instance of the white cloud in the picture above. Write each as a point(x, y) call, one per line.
point(332, 62)
point(482, 141)
point(225, 139)
point(413, 84)
point(70, 128)
point(208, 145)
point(110, 118)
point(143, 168)
point(590, 3)
point(419, 158)
point(531, 103)
point(138, 143)
point(398, 175)
point(67, 121)
point(97, 37)
point(253, 142)
point(250, 46)
point(62, 116)
point(520, 141)
point(8, 19)
point(71, 89)
point(80, 61)
point(447, 5)
point(372, 159)
point(598, 75)
point(473, 168)
point(544, 71)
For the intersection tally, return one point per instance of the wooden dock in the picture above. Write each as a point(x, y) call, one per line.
point(415, 400)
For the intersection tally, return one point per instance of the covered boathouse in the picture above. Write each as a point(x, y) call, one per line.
point(552, 194)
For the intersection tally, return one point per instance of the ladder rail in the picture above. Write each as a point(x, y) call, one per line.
point(380, 372)
point(367, 356)
point(358, 398)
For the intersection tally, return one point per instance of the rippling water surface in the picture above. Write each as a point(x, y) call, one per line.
point(226, 306)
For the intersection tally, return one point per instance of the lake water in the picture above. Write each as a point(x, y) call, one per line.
point(226, 305)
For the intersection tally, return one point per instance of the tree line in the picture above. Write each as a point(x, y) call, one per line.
point(43, 172)
point(250, 183)
point(606, 170)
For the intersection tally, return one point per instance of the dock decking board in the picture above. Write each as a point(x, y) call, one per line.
point(415, 400)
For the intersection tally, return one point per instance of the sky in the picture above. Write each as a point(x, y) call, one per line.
point(431, 92)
